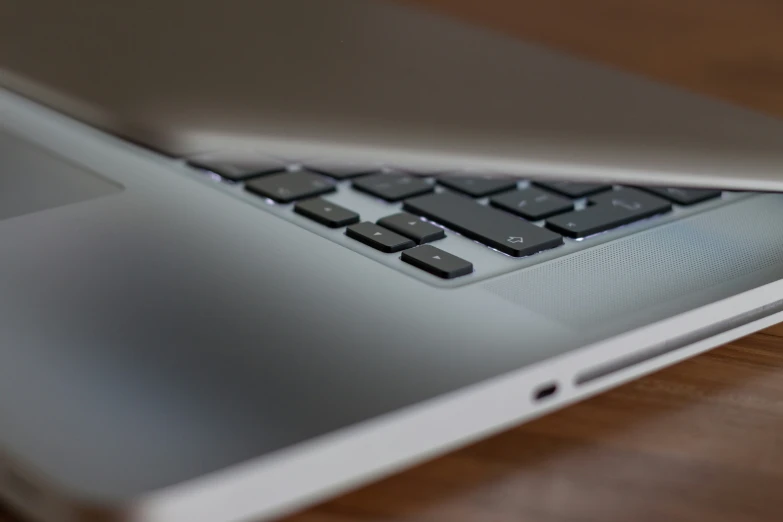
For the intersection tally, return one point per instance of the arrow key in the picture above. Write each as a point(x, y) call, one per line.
point(412, 227)
point(326, 213)
point(378, 237)
point(437, 262)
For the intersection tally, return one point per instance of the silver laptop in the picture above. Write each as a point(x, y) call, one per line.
point(255, 254)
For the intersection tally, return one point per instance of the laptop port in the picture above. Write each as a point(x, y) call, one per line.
point(544, 392)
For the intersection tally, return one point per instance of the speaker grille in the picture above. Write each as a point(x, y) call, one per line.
point(653, 266)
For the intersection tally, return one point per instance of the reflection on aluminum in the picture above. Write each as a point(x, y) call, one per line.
point(438, 225)
point(519, 257)
point(498, 251)
point(214, 176)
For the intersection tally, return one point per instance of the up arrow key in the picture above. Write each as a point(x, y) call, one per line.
point(412, 227)
point(435, 257)
point(378, 234)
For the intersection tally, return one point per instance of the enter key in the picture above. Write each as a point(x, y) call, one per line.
point(607, 211)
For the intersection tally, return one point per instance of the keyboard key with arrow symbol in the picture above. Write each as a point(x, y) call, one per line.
point(378, 237)
point(437, 262)
point(326, 212)
point(412, 227)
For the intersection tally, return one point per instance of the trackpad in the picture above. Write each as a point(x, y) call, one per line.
point(31, 179)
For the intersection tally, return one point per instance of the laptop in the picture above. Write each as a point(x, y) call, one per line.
point(259, 253)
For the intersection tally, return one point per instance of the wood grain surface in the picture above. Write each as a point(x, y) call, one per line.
point(701, 441)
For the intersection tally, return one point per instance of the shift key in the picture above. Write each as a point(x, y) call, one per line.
point(495, 228)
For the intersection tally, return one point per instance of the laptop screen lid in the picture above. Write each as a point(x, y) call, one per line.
point(372, 81)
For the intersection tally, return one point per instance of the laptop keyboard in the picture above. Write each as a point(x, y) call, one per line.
point(521, 219)
point(490, 226)
point(608, 210)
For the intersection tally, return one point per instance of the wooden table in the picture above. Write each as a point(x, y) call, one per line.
point(701, 441)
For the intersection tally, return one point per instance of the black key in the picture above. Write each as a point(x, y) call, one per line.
point(290, 186)
point(238, 170)
point(490, 226)
point(392, 187)
point(683, 196)
point(532, 203)
point(479, 186)
point(413, 227)
point(340, 169)
point(436, 261)
point(378, 237)
point(326, 213)
point(573, 189)
point(609, 210)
